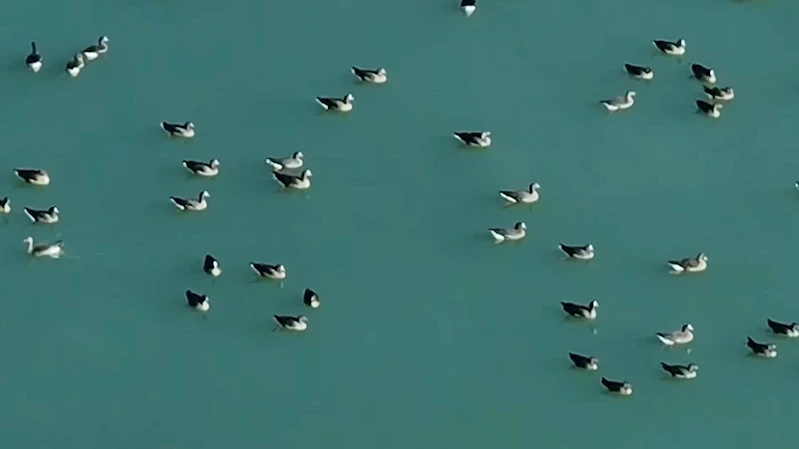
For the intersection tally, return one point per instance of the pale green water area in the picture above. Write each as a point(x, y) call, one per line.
point(429, 336)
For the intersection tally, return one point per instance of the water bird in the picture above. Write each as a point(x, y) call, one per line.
point(788, 330)
point(46, 216)
point(5, 205)
point(198, 301)
point(377, 76)
point(34, 60)
point(689, 265)
point(681, 371)
point(93, 51)
point(704, 74)
point(580, 311)
point(207, 169)
point(337, 104)
point(620, 103)
point(280, 163)
point(185, 130)
point(211, 266)
point(762, 349)
point(33, 176)
point(53, 250)
point(640, 72)
point(719, 93)
point(682, 336)
point(190, 203)
point(709, 109)
point(292, 323)
point(276, 272)
point(469, 7)
point(618, 387)
point(528, 196)
point(585, 252)
point(75, 65)
point(585, 362)
point(480, 139)
point(311, 299)
point(298, 182)
point(674, 48)
point(517, 232)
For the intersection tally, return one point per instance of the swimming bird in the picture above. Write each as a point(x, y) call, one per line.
point(292, 323)
point(198, 301)
point(191, 204)
point(211, 266)
point(704, 74)
point(690, 265)
point(75, 65)
point(47, 216)
point(580, 311)
point(377, 76)
point(709, 109)
point(676, 48)
point(584, 362)
point(5, 205)
point(337, 104)
point(640, 72)
point(681, 371)
point(620, 103)
point(528, 196)
point(680, 337)
point(53, 250)
point(311, 299)
point(480, 139)
point(93, 51)
point(277, 272)
point(469, 7)
point(207, 169)
point(622, 388)
point(299, 182)
point(34, 60)
point(33, 176)
point(293, 161)
point(762, 349)
point(585, 252)
point(719, 93)
point(789, 330)
point(517, 232)
point(185, 130)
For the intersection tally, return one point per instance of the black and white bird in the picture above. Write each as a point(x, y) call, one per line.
point(373, 76)
point(788, 330)
point(674, 48)
point(5, 205)
point(276, 272)
point(33, 176)
point(469, 7)
point(719, 93)
point(585, 362)
point(290, 181)
point(192, 204)
point(681, 371)
point(762, 349)
point(292, 323)
point(689, 265)
point(198, 301)
point(296, 160)
point(45, 216)
point(625, 101)
point(200, 168)
point(479, 139)
point(618, 387)
point(311, 299)
point(75, 65)
point(704, 74)
point(682, 336)
point(34, 60)
point(712, 110)
point(211, 266)
point(585, 252)
point(517, 232)
point(580, 311)
point(185, 130)
point(53, 250)
point(640, 72)
point(337, 104)
point(93, 51)
point(528, 196)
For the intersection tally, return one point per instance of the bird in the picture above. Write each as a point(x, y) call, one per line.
point(191, 204)
point(622, 388)
point(681, 371)
point(528, 196)
point(689, 265)
point(762, 349)
point(719, 93)
point(620, 103)
point(788, 330)
point(185, 130)
point(580, 311)
point(709, 109)
point(585, 362)
point(46, 216)
point(198, 301)
point(5, 205)
point(676, 48)
point(75, 65)
point(311, 299)
point(53, 250)
point(639, 71)
point(277, 272)
point(704, 74)
point(34, 60)
point(337, 104)
point(376, 76)
point(585, 252)
point(211, 266)
point(298, 182)
point(292, 323)
point(469, 7)
point(294, 161)
point(93, 51)
point(479, 139)
point(207, 169)
point(33, 176)
point(680, 337)
point(517, 232)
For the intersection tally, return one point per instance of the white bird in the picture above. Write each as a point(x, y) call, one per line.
point(681, 371)
point(480, 139)
point(211, 266)
point(292, 323)
point(517, 232)
point(276, 272)
point(207, 169)
point(298, 182)
point(53, 250)
point(191, 204)
point(709, 109)
point(46, 216)
point(469, 7)
point(762, 349)
point(337, 104)
point(5, 205)
point(178, 130)
point(34, 60)
point(584, 252)
point(788, 330)
point(93, 51)
point(680, 337)
point(376, 76)
point(620, 103)
point(311, 299)
point(293, 161)
point(528, 196)
point(670, 48)
point(75, 65)
point(617, 387)
point(640, 72)
point(33, 176)
point(198, 301)
point(719, 93)
point(704, 74)
point(690, 265)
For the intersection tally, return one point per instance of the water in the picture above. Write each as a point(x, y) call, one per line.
point(429, 335)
